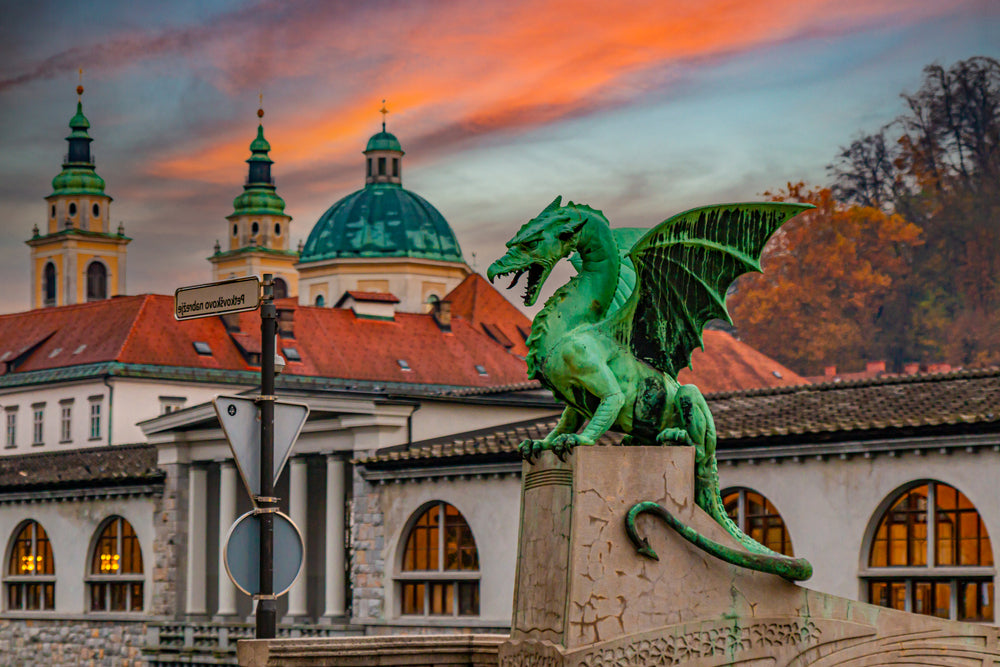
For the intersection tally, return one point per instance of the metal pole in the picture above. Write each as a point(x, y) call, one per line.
point(267, 606)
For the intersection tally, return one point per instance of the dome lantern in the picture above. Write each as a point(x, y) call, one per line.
point(384, 156)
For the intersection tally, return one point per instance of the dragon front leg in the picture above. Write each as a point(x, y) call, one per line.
point(569, 422)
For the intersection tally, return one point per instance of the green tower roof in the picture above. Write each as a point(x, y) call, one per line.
point(384, 141)
point(259, 196)
point(78, 176)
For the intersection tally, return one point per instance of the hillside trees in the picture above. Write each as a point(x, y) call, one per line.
point(828, 274)
point(933, 297)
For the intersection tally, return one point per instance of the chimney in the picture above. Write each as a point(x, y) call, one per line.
point(875, 367)
point(441, 311)
point(286, 322)
point(830, 372)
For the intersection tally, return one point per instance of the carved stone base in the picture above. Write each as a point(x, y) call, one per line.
point(585, 598)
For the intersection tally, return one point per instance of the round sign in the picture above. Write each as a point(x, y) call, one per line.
point(242, 553)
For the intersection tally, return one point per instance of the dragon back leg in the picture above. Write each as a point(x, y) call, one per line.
point(699, 427)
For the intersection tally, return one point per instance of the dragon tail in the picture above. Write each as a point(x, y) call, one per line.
point(756, 557)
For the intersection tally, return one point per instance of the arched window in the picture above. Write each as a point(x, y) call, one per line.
point(758, 517)
point(931, 554)
point(30, 580)
point(49, 284)
point(320, 301)
point(97, 282)
point(440, 570)
point(280, 288)
point(115, 580)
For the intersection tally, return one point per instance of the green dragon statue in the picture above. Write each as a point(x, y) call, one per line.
point(610, 342)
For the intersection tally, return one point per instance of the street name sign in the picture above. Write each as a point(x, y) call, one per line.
point(226, 296)
point(241, 555)
point(239, 417)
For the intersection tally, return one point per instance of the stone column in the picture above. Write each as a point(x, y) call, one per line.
point(197, 541)
point(297, 501)
point(336, 603)
point(227, 514)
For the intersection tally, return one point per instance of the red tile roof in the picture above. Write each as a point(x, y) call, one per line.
point(726, 364)
point(485, 308)
point(332, 342)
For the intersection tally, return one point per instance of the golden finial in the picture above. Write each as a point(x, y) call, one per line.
point(384, 112)
point(79, 88)
point(260, 109)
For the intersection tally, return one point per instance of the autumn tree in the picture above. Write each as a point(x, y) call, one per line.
point(938, 166)
point(828, 274)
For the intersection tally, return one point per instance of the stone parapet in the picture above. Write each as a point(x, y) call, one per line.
point(411, 651)
point(585, 598)
point(70, 642)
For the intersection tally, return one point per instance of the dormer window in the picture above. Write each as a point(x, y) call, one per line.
point(403, 365)
point(291, 354)
point(481, 370)
point(202, 348)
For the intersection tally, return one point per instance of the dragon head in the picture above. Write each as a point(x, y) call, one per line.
point(539, 244)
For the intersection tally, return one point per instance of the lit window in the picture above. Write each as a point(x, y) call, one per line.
point(202, 348)
point(291, 354)
point(440, 570)
point(38, 423)
point(403, 365)
point(115, 582)
point(11, 427)
point(65, 421)
point(759, 518)
point(30, 580)
point(95, 420)
point(934, 528)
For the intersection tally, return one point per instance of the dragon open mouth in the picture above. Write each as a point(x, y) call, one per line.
point(536, 278)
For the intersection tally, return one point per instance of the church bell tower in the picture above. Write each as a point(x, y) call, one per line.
point(75, 257)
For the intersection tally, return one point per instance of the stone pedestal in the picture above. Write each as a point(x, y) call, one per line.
point(584, 597)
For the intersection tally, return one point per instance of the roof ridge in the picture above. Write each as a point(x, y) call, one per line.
point(80, 450)
point(885, 380)
point(73, 306)
point(132, 327)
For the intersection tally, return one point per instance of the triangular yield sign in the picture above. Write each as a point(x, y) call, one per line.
point(239, 417)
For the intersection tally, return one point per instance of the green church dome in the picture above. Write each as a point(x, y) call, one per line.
point(382, 219)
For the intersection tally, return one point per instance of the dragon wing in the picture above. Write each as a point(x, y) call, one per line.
point(683, 268)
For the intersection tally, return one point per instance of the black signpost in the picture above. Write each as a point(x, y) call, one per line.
point(232, 296)
point(266, 503)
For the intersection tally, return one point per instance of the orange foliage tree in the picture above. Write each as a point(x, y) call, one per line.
point(828, 275)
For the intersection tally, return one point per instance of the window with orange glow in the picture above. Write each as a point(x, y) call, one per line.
point(931, 554)
point(116, 582)
point(30, 578)
point(440, 569)
point(759, 518)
